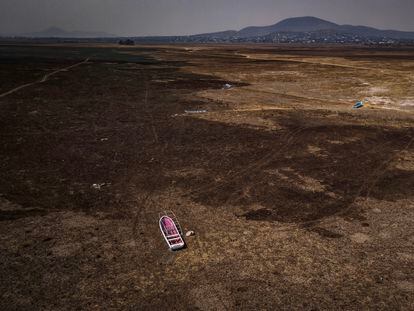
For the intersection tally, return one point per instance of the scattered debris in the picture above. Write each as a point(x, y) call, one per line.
point(104, 139)
point(189, 233)
point(195, 111)
point(98, 186)
point(227, 86)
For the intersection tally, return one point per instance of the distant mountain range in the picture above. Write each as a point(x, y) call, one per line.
point(309, 24)
point(305, 29)
point(55, 32)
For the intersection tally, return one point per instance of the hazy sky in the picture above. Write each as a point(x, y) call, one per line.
point(172, 17)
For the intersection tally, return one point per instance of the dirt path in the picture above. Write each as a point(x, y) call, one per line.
point(43, 79)
point(295, 96)
point(302, 61)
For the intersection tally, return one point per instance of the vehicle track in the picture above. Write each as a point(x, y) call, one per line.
point(293, 138)
point(290, 137)
point(381, 171)
point(366, 186)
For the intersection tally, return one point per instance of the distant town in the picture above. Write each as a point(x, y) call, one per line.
point(283, 38)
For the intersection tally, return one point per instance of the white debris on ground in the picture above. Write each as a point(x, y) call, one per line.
point(99, 186)
point(195, 111)
point(227, 86)
point(189, 233)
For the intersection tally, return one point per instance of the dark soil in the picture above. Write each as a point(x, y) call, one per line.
point(283, 218)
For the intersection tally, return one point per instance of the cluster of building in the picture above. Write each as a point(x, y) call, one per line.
point(284, 37)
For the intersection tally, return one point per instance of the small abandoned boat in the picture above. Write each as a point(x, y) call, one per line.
point(358, 105)
point(171, 233)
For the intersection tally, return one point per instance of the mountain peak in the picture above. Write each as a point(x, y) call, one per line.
point(304, 24)
point(305, 19)
point(293, 24)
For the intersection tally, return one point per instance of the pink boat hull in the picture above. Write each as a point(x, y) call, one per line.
point(171, 234)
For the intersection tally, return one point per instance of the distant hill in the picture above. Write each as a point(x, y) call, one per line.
point(299, 24)
point(55, 32)
point(309, 24)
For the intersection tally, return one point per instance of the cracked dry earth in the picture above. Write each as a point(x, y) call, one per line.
point(297, 201)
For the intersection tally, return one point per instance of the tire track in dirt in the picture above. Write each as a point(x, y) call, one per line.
point(267, 158)
point(380, 172)
point(367, 185)
point(43, 79)
point(274, 154)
